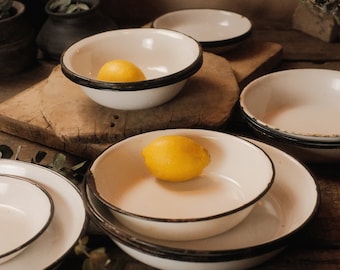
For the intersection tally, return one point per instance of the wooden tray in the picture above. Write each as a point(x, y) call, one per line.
point(56, 113)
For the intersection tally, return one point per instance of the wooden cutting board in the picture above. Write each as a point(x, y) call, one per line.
point(56, 113)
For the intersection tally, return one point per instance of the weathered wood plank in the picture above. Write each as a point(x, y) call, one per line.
point(298, 46)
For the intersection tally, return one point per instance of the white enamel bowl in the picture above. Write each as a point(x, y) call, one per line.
point(217, 30)
point(167, 58)
point(67, 225)
point(26, 210)
point(297, 109)
point(238, 175)
point(273, 223)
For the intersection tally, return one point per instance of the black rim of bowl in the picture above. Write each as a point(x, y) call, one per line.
point(140, 85)
point(89, 178)
point(43, 228)
point(226, 42)
point(285, 138)
point(188, 255)
point(215, 43)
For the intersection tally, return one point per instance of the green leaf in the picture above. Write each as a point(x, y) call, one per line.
point(58, 162)
point(98, 260)
point(73, 8)
point(81, 248)
point(59, 5)
point(5, 6)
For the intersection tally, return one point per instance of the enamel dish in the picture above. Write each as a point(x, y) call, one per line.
point(297, 110)
point(238, 175)
point(216, 30)
point(167, 59)
point(66, 226)
point(298, 104)
point(26, 210)
point(274, 221)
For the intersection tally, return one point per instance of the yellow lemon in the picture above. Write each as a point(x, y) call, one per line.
point(175, 158)
point(120, 71)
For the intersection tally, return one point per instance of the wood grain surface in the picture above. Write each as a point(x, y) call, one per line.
point(55, 112)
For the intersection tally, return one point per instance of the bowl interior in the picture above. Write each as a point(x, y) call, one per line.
point(300, 103)
point(239, 174)
point(157, 52)
point(26, 210)
point(205, 25)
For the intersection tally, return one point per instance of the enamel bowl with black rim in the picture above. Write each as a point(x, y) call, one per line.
point(67, 225)
point(216, 30)
point(297, 109)
point(239, 174)
point(26, 210)
point(167, 59)
point(271, 226)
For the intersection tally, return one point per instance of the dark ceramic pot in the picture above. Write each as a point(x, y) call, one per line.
point(60, 30)
point(17, 42)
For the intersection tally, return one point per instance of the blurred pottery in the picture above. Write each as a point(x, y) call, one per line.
point(63, 29)
point(17, 46)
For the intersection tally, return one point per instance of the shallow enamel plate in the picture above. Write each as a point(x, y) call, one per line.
point(67, 223)
point(238, 175)
point(213, 28)
point(26, 210)
point(274, 221)
point(298, 105)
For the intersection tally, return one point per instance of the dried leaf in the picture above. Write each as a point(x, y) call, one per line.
point(5, 151)
point(39, 157)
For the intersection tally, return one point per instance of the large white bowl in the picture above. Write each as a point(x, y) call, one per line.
point(238, 175)
point(298, 109)
point(167, 58)
point(216, 30)
point(26, 210)
point(274, 222)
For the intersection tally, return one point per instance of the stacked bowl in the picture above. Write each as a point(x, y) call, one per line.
point(213, 221)
point(26, 212)
point(297, 110)
point(42, 216)
point(217, 31)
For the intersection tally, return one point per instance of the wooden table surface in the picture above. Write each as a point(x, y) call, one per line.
point(317, 246)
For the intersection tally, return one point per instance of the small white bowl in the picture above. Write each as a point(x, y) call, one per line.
point(297, 108)
point(26, 210)
point(167, 58)
point(217, 30)
point(238, 175)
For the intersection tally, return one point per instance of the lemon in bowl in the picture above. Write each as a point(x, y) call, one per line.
point(167, 59)
point(227, 177)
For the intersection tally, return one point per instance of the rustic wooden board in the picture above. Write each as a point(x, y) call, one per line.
point(33, 122)
point(205, 101)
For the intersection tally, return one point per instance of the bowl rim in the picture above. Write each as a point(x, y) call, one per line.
point(190, 255)
point(47, 221)
point(140, 85)
point(210, 43)
point(89, 178)
point(286, 138)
